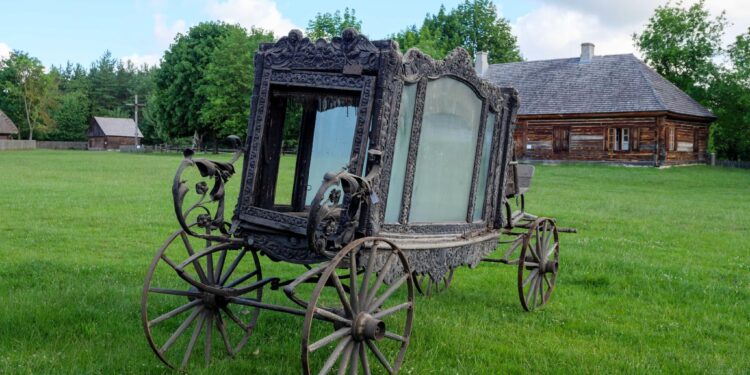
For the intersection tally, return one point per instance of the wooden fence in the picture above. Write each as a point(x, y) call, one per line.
point(12, 144)
point(62, 145)
point(733, 164)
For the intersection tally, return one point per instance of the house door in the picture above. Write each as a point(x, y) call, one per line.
point(560, 138)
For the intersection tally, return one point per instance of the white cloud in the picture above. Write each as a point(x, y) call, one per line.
point(248, 13)
point(551, 31)
point(556, 28)
point(4, 51)
point(138, 60)
point(165, 33)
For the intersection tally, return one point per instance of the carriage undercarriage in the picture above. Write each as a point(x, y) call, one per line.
point(366, 255)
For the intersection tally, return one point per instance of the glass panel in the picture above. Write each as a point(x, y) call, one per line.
point(447, 145)
point(625, 139)
point(484, 166)
point(400, 153)
point(332, 145)
point(288, 158)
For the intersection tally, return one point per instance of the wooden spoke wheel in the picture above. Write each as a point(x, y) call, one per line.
point(538, 264)
point(187, 303)
point(427, 286)
point(363, 325)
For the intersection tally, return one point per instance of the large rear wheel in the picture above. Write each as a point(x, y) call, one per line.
point(538, 264)
point(364, 323)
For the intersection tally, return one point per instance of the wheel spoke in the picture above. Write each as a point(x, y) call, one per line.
point(394, 336)
point(335, 355)
point(363, 359)
point(234, 318)
point(381, 275)
point(552, 249)
point(391, 310)
point(531, 296)
point(224, 336)
point(368, 271)
point(174, 312)
point(329, 339)
point(549, 284)
point(242, 279)
point(191, 252)
point(331, 316)
point(374, 349)
point(353, 361)
point(210, 266)
point(353, 283)
point(196, 332)
point(209, 331)
point(232, 266)
point(183, 293)
point(181, 329)
point(220, 265)
point(375, 305)
point(342, 294)
point(345, 358)
point(540, 289)
point(531, 276)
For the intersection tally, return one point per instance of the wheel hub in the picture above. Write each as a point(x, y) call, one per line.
point(366, 327)
point(548, 267)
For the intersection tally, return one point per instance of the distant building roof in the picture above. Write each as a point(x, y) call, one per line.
point(6, 124)
point(113, 127)
point(592, 84)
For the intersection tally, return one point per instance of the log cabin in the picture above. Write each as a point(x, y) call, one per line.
point(611, 109)
point(109, 133)
point(7, 128)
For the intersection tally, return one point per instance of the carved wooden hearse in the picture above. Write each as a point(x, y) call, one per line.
point(399, 177)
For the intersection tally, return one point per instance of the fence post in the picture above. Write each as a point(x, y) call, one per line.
point(713, 159)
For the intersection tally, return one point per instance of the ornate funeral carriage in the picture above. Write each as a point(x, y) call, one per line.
point(402, 172)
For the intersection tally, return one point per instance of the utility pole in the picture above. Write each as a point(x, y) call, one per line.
point(136, 106)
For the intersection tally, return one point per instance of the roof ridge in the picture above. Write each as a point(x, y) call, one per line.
point(560, 59)
point(658, 98)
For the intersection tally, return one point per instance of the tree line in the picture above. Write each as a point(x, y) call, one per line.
point(200, 92)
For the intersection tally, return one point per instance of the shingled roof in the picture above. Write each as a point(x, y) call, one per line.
point(606, 84)
point(6, 125)
point(113, 127)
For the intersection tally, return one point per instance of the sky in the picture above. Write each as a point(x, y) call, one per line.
point(80, 31)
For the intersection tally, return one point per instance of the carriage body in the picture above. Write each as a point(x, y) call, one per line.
point(428, 140)
point(378, 172)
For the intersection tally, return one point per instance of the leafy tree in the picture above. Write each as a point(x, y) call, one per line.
point(71, 117)
point(104, 87)
point(473, 25)
point(29, 91)
point(227, 84)
point(178, 98)
point(680, 44)
point(329, 25)
point(731, 98)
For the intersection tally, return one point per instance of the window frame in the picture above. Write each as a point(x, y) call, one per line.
point(408, 184)
point(616, 142)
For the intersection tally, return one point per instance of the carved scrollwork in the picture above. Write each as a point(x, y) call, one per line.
point(297, 52)
point(215, 171)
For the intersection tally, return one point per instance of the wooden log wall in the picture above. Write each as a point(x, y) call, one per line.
point(690, 141)
point(588, 139)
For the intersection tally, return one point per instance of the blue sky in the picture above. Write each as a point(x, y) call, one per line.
point(80, 31)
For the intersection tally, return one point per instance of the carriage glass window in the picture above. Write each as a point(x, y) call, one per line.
point(447, 146)
point(400, 153)
point(307, 135)
point(484, 166)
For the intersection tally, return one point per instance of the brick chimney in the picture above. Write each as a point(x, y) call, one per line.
point(587, 53)
point(480, 64)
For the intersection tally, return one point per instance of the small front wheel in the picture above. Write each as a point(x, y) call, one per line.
point(538, 264)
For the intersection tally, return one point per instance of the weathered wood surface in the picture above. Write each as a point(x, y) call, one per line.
point(592, 138)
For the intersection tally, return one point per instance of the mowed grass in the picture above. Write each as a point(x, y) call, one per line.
point(656, 281)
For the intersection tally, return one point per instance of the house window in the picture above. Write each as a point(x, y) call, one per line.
point(560, 138)
point(671, 141)
point(619, 139)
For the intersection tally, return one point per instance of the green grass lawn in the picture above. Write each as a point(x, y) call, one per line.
point(656, 281)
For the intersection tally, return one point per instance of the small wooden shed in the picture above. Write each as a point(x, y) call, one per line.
point(7, 128)
point(109, 133)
